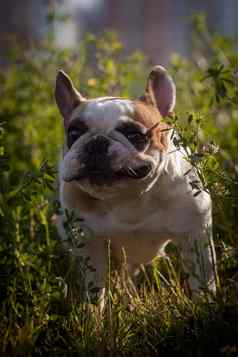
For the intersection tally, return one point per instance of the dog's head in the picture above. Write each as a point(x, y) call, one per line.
point(115, 144)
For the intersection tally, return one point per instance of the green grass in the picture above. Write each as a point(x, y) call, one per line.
point(42, 311)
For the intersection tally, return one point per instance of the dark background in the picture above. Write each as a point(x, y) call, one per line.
point(157, 27)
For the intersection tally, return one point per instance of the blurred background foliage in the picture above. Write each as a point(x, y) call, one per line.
point(38, 313)
point(28, 108)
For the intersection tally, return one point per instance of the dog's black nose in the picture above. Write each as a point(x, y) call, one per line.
point(96, 157)
point(97, 146)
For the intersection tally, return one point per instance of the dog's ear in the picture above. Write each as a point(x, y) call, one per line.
point(66, 96)
point(160, 91)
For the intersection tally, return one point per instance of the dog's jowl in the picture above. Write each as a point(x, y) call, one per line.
point(123, 175)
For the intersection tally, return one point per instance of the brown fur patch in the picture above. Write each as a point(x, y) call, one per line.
point(148, 115)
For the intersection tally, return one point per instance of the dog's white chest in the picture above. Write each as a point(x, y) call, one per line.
point(127, 219)
point(173, 217)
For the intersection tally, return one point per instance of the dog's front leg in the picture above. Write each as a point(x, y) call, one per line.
point(199, 261)
point(92, 269)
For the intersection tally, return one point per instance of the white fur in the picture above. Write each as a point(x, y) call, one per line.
point(143, 217)
point(104, 114)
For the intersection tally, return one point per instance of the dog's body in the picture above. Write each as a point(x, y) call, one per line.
point(124, 177)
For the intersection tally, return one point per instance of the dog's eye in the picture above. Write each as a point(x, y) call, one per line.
point(139, 140)
point(136, 138)
point(74, 133)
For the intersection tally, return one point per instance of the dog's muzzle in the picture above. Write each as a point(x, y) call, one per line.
point(95, 158)
point(97, 165)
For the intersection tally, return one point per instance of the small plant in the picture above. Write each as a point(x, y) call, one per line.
point(42, 310)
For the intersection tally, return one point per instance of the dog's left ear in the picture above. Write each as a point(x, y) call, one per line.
point(66, 95)
point(160, 91)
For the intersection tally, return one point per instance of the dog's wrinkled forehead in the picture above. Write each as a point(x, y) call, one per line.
point(104, 113)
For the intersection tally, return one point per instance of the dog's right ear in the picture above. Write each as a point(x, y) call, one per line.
point(66, 95)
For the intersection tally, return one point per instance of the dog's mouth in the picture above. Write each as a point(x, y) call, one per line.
point(107, 176)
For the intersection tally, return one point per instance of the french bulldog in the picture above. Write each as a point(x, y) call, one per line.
point(123, 175)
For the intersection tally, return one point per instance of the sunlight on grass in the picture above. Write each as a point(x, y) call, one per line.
point(43, 307)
